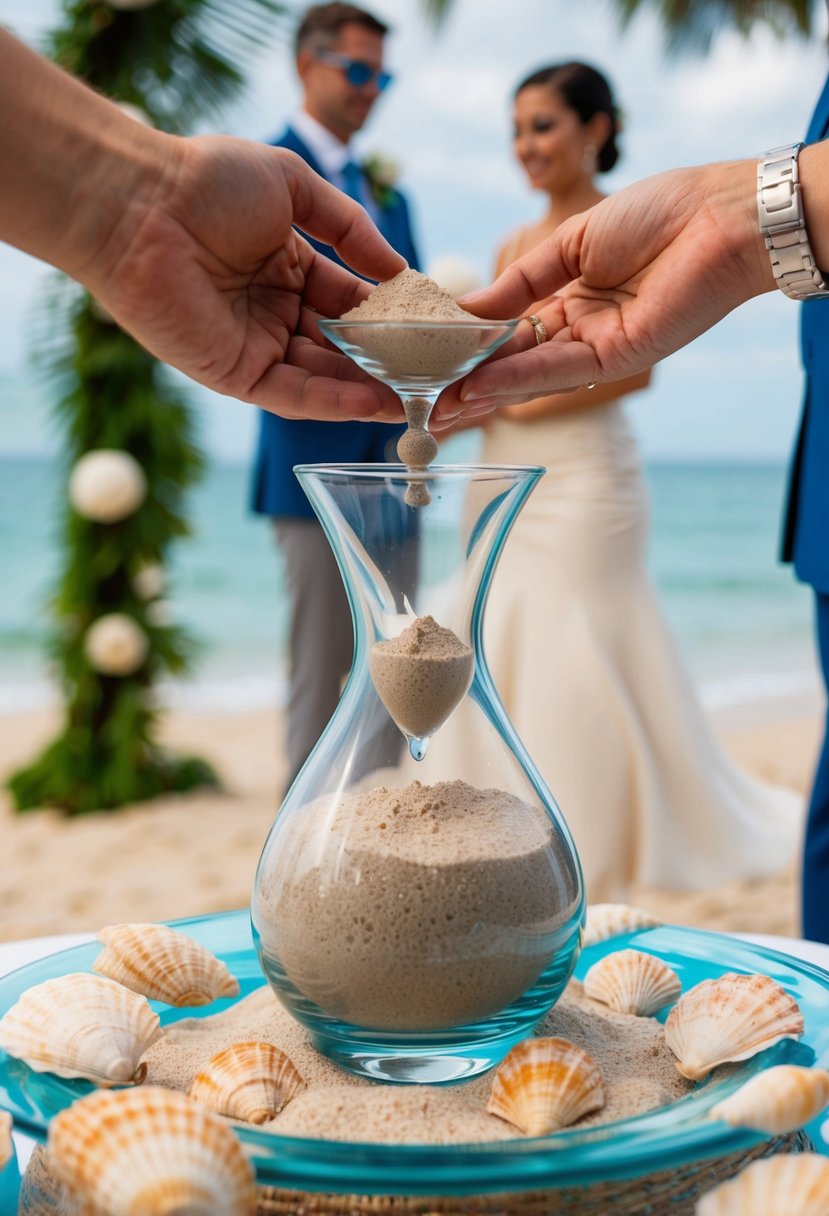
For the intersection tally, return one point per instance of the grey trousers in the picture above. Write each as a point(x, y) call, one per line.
point(322, 645)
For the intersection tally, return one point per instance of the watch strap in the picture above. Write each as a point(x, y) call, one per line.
point(783, 227)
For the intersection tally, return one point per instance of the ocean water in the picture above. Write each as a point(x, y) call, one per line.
point(742, 622)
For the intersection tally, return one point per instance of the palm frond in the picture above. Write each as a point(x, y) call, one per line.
point(180, 60)
point(692, 25)
point(436, 11)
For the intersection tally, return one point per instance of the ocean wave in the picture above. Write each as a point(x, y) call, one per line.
point(745, 688)
point(242, 693)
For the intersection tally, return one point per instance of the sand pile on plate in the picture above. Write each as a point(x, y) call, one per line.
point(638, 1069)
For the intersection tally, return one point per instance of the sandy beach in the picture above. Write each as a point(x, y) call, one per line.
point(197, 853)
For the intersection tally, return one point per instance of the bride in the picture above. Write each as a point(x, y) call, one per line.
point(577, 644)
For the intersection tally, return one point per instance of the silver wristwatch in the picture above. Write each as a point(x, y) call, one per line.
point(780, 212)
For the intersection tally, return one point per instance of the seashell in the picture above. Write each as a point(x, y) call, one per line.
point(6, 1145)
point(248, 1081)
point(163, 964)
point(789, 1184)
point(149, 1150)
point(40, 1192)
point(81, 1025)
point(776, 1101)
point(630, 981)
point(544, 1085)
point(730, 1018)
point(610, 920)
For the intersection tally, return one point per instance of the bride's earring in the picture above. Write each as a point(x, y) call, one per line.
point(589, 158)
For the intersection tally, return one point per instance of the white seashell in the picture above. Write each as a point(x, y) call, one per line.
point(610, 920)
point(789, 1184)
point(776, 1101)
point(730, 1018)
point(81, 1025)
point(544, 1085)
point(247, 1081)
point(630, 981)
point(40, 1192)
point(6, 1145)
point(150, 1151)
point(163, 964)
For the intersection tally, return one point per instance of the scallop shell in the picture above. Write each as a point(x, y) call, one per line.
point(163, 964)
point(630, 981)
point(129, 1151)
point(610, 920)
point(6, 1146)
point(730, 1018)
point(544, 1085)
point(776, 1101)
point(790, 1184)
point(81, 1025)
point(247, 1081)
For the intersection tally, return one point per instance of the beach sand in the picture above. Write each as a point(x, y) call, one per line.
point(197, 853)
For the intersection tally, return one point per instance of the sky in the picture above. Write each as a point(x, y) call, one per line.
point(733, 394)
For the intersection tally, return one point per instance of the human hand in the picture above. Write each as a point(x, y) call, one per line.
point(210, 275)
point(636, 277)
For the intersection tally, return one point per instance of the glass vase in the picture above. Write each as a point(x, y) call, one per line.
point(417, 918)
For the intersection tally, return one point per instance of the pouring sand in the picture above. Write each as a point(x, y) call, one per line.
point(434, 350)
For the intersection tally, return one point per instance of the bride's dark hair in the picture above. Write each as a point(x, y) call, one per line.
point(585, 91)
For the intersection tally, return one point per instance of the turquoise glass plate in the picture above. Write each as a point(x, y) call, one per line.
point(668, 1137)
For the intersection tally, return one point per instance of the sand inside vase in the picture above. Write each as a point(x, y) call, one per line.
point(442, 891)
point(421, 675)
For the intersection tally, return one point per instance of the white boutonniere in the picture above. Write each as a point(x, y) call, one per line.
point(382, 174)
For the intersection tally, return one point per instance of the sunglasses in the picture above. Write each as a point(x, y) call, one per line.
point(357, 71)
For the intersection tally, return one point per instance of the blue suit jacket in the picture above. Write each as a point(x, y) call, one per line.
point(285, 442)
point(806, 527)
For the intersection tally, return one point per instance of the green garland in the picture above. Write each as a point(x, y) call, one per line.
point(178, 60)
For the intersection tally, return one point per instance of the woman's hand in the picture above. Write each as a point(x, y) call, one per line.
point(636, 277)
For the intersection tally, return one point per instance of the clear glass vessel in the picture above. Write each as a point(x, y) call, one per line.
point(418, 919)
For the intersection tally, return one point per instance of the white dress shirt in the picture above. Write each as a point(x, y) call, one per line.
point(330, 153)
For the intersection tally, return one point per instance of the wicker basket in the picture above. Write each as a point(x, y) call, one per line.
point(667, 1193)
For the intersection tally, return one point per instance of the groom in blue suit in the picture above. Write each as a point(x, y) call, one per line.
point(339, 61)
point(806, 543)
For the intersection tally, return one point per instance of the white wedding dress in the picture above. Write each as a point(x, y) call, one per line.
point(591, 678)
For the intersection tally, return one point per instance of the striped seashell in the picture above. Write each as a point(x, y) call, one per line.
point(81, 1025)
point(6, 1144)
point(611, 920)
point(163, 964)
point(629, 981)
point(544, 1085)
point(247, 1081)
point(776, 1101)
point(728, 1019)
point(40, 1192)
point(790, 1184)
point(131, 1152)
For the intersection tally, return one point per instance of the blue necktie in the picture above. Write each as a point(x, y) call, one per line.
point(353, 182)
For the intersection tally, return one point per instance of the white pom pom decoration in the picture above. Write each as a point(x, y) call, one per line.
point(116, 645)
point(149, 581)
point(106, 485)
point(455, 275)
